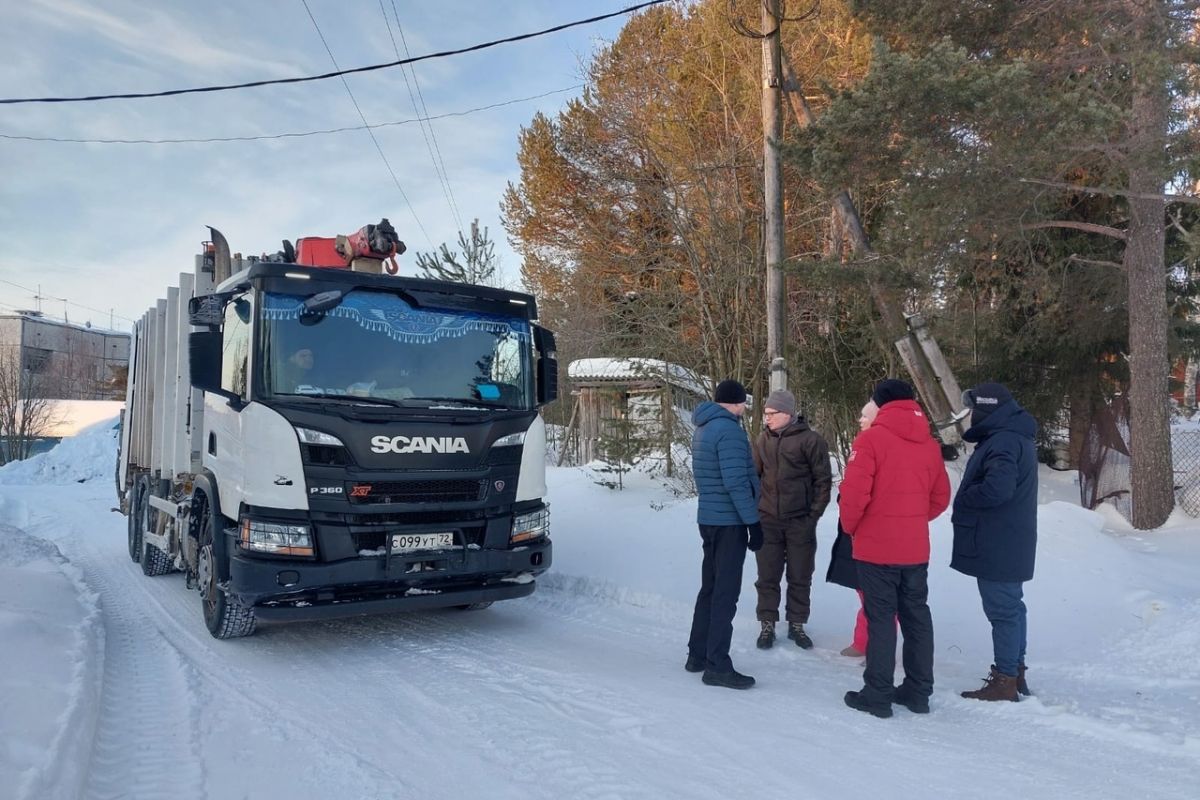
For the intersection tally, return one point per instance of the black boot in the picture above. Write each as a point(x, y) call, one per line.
point(1022, 686)
point(855, 700)
point(695, 664)
point(796, 634)
point(766, 637)
point(730, 680)
point(904, 696)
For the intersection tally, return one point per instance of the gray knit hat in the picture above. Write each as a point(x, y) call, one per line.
point(782, 400)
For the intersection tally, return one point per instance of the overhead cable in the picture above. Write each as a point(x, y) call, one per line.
point(35, 293)
point(292, 134)
point(334, 74)
point(411, 209)
point(439, 167)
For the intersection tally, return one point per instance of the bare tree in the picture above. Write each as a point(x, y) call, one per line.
point(26, 410)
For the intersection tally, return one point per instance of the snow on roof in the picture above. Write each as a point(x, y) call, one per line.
point(619, 369)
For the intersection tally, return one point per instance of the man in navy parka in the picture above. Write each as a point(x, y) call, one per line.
point(995, 528)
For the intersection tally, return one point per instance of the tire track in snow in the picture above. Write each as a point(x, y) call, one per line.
point(147, 737)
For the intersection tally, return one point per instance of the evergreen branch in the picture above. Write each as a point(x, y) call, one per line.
point(1168, 198)
point(1087, 227)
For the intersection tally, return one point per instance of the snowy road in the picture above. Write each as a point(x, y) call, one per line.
point(562, 694)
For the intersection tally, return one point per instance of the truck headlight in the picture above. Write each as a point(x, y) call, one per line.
point(321, 449)
point(510, 440)
point(276, 538)
point(527, 527)
point(309, 436)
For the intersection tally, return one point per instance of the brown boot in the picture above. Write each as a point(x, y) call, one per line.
point(996, 686)
point(1022, 686)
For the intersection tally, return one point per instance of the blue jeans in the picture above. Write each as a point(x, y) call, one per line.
point(1006, 611)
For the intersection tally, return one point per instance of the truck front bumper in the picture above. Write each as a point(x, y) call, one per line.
point(293, 589)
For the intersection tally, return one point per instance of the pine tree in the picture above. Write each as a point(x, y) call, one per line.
point(476, 264)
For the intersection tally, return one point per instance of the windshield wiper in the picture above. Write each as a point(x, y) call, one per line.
point(460, 402)
point(344, 398)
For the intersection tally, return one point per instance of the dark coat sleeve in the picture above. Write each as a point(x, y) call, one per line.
point(996, 483)
point(817, 452)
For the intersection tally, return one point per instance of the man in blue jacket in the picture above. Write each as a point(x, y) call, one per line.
point(995, 528)
point(728, 517)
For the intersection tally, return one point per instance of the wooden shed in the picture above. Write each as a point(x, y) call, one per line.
point(648, 400)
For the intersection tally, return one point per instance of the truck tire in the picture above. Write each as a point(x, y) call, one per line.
point(225, 617)
point(154, 561)
point(136, 498)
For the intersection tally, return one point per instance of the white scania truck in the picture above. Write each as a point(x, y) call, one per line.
point(308, 436)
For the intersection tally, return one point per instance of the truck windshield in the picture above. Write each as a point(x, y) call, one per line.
point(375, 345)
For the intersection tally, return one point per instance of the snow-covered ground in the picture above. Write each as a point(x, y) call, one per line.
point(111, 687)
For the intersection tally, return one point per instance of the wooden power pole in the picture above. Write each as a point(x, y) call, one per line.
point(772, 115)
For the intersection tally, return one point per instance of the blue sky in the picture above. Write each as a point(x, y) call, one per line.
point(110, 226)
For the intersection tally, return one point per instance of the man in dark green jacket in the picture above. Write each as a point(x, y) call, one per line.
point(792, 461)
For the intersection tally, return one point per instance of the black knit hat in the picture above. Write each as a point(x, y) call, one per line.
point(985, 398)
point(730, 392)
point(891, 389)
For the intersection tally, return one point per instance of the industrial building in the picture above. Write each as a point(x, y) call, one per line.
point(70, 362)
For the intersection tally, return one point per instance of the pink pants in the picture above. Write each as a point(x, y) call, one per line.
point(860, 627)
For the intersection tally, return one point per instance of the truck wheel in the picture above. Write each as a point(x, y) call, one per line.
point(154, 561)
point(136, 498)
point(474, 606)
point(225, 617)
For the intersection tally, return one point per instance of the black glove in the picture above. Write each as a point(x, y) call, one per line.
point(756, 537)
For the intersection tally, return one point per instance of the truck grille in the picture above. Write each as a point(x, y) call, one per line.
point(434, 491)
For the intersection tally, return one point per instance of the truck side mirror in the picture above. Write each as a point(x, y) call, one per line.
point(204, 360)
point(208, 310)
point(547, 366)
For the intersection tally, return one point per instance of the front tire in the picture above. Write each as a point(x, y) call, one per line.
point(225, 617)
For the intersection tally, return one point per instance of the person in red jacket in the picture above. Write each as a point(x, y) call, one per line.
point(894, 484)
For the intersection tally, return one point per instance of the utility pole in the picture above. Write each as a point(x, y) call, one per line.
point(773, 241)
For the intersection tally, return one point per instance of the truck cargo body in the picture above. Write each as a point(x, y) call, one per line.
point(310, 442)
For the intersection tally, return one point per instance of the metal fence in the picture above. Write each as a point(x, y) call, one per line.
point(1105, 466)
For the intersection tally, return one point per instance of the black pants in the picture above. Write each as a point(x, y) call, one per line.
point(720, 585)
point(790, 542)
point(888, 592)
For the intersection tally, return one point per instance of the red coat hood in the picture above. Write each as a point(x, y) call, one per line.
point(905, 419)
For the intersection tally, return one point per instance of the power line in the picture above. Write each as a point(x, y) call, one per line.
point(35, 293)
point(370, 132)
point(293, 134)
point(439, 167)
point(337, 73)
